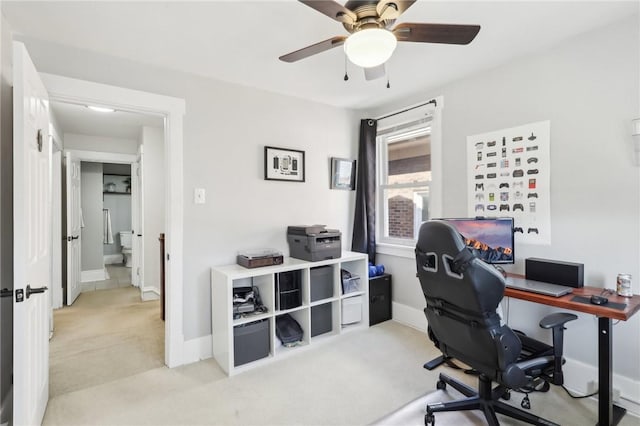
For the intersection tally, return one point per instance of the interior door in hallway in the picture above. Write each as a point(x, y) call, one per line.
point(74, 224)
point(32, 216)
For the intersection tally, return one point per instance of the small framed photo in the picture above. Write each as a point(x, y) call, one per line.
point(283, 164)
point(343, 174)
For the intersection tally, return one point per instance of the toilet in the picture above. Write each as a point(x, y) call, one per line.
point(125, 242)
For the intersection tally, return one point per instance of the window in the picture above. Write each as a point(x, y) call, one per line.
point(404, 181)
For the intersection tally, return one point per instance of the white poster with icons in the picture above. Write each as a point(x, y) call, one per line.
point(509, 176)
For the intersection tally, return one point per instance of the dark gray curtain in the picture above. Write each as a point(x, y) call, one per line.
point(364, 221)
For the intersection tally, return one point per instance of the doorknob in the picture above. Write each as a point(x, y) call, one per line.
point(73, 238)
point(31, 291)
point(5, 292)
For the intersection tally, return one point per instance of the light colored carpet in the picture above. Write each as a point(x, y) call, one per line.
point(104, 336)
point(353, 379)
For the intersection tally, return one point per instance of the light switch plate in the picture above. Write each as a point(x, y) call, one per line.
point(198, 196)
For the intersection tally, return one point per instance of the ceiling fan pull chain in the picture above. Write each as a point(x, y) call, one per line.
point(346, 76)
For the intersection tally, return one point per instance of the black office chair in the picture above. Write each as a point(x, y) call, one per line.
point(462, 295)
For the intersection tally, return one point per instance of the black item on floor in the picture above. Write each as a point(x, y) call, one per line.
point(288, 330)
point(250, 342)
point(379, 299)
point(321, 319)
point(321, 283)
point(288, 290)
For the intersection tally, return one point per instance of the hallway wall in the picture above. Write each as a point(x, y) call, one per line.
point(154, 203)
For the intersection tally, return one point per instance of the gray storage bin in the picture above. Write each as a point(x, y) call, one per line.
point(250, 342)
point(321, 319)
point(321, 282)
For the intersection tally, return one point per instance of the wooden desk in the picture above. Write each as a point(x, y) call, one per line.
point(608, 413)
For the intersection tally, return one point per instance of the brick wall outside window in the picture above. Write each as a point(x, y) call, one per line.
point(400, 217)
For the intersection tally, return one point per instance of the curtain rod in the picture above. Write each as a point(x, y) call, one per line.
point(432, 101)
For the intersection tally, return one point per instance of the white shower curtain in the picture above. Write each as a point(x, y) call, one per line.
point(107, 234)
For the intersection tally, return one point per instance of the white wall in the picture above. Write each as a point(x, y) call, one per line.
point(91, 204)
point(99, 143)
point(588, 88)
point(225, 130)
point(6, 222)
point(154, 203)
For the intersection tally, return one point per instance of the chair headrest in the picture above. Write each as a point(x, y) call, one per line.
point(448, 270)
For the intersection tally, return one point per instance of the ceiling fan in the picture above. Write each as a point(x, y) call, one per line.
point(371, 41)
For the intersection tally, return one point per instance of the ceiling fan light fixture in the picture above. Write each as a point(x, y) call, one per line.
point(370, 47)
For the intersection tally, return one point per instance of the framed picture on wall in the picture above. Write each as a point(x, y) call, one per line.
point(283, 164)
point(343, 174)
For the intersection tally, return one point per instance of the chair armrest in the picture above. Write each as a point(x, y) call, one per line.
point(556, 322)
point(557, 319)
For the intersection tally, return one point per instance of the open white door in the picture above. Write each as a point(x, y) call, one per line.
point(137, 223)
point(74, 222)
point(31, 241)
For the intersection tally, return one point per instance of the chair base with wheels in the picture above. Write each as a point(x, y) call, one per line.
point(487, 400)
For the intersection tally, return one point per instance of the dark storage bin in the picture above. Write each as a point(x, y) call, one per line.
point(321, 319)
point(250, 342)
point(379, 299)
point(321, 282)
point(288, 290)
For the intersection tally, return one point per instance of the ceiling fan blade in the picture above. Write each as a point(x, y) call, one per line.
point(313, 49)
point(332, 9)
point(436, 33)
point(391, 9)
point(374, 73)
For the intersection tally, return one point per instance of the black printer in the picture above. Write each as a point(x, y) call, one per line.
point(314, 243)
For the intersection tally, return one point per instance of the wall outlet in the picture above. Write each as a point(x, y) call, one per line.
point(198, 195)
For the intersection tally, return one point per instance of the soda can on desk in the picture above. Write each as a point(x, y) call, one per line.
point(623, 285)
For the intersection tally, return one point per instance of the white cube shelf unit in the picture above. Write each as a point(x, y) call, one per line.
point(225, 278)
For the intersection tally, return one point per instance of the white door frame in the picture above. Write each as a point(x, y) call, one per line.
point(56, 240)
point(64, 89)
point(101, 157)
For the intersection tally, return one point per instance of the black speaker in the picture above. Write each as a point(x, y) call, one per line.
point(554, 271)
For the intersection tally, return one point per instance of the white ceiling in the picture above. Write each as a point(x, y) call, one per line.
point(81, 120)
point(240, 41)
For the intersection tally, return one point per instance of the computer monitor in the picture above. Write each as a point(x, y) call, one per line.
point(491, 239)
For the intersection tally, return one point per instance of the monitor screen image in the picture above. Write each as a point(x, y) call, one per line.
point(491, 239)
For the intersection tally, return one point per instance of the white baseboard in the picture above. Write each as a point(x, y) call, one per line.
point(410, 316)
point(150, 293)
point(112, 259)
point(577, 374)
point(93, 275)
point(197, 349)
